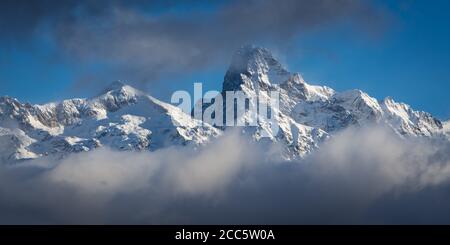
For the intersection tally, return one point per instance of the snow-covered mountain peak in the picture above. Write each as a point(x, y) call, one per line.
point(256, 72)
point(357, 99)
point(125, 118)
point(118, 88)
point(121, 118)
point(251, 58)
point(118, 95)
point(408, 121)
point(9, 105)
point(118, 84)
point(254, 67)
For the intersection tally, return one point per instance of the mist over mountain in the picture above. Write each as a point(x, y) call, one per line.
point(126, 157)
point(124, 118)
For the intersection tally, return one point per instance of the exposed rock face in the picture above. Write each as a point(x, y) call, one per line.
point(309, 114)
point(124, 118)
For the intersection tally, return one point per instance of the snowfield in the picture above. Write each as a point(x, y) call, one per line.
point(126, 119)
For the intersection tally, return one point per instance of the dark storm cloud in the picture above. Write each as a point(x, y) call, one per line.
point(145, 39)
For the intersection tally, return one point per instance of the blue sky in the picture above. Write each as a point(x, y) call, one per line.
point(408, 58)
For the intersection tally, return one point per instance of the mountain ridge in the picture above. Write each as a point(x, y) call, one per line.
point(125, 118)
point(122, 118)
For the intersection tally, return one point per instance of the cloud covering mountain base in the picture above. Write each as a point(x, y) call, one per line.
point(360, 176)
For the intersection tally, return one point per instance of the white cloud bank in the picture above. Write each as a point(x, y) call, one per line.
point(360, 176)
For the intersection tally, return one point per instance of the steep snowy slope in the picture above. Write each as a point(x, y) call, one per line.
point(255, 72)
point(308, 114)
point(13, 145)
point(358, 108)
point(339, 111)
point(407, 121)
point(122, 118)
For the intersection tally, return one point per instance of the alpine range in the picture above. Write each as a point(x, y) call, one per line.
point(124, 118)
point(237, 112)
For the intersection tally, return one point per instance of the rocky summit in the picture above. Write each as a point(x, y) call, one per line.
point(124, 118)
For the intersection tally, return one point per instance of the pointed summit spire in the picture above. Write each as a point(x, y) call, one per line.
point(254, 66)
point(119, 90)
point(115, 85)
